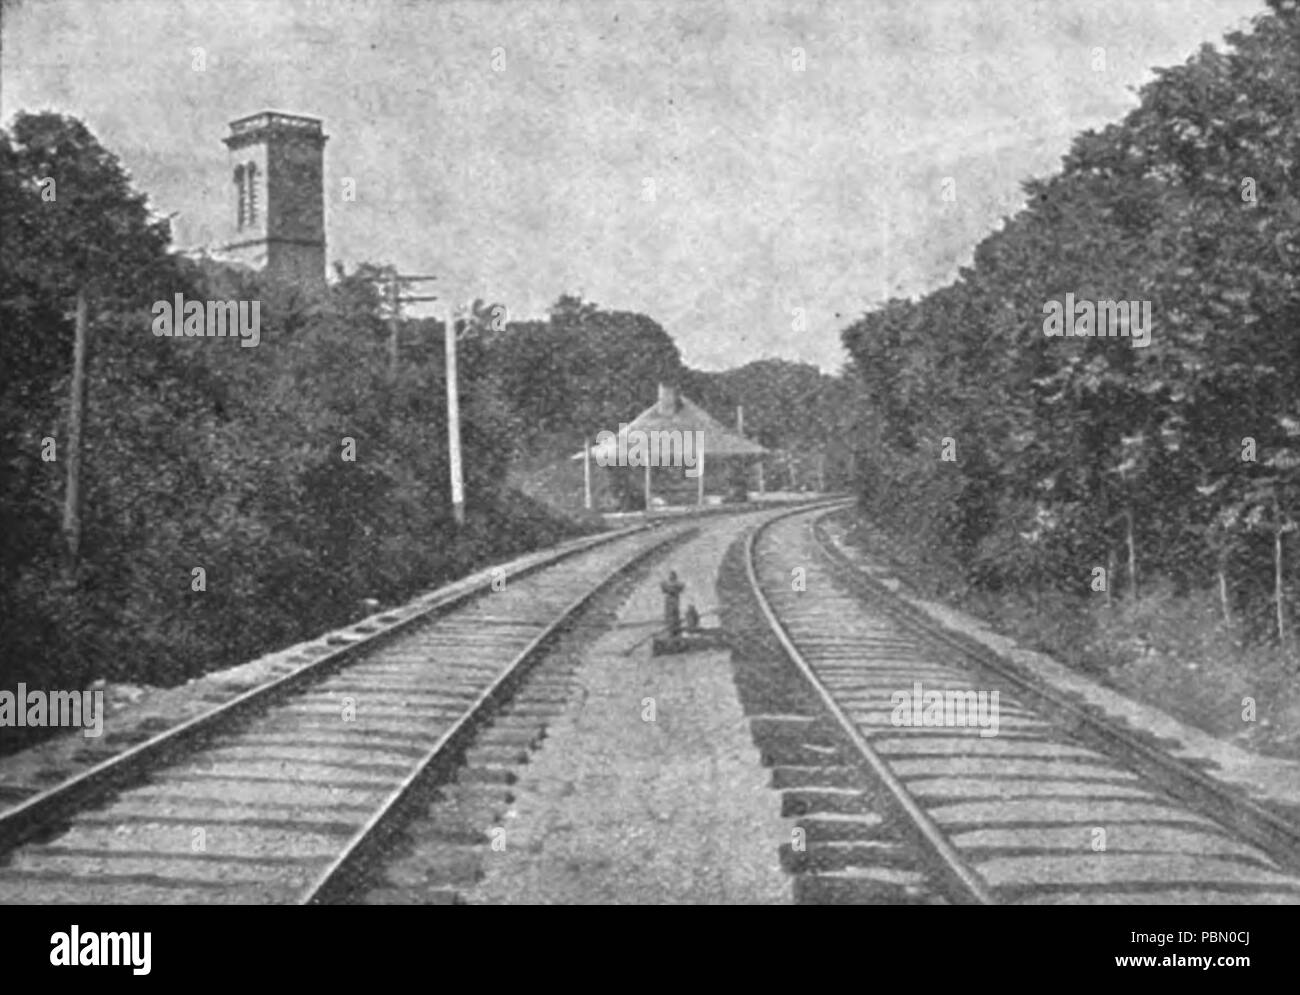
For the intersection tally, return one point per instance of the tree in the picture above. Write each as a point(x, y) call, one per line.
point(77, 233)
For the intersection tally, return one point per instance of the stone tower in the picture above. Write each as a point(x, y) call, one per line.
point(277, 181)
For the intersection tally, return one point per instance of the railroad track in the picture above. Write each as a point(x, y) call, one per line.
point(1056, 805)
point(291, 792)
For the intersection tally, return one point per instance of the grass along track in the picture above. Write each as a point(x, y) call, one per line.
point(1060, 805)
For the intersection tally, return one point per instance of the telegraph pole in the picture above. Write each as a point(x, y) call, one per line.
point(586, 472)
point(700, 464)
point(395, 302)
point(453, 420)
point(76, 410)
point(394, 309)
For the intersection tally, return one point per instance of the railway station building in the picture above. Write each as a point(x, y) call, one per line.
point(673, 453)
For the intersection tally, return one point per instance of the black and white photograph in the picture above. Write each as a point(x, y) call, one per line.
point(651, 453)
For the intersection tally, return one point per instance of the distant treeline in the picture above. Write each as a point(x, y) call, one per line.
point(587, 368)
point(1178, 461)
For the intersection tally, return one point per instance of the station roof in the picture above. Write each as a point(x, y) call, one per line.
point(673, 412)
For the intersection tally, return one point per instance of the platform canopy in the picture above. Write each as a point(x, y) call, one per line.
point(673, 413)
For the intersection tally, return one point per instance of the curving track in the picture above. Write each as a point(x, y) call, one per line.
point(288, 794)
point(1020, 816)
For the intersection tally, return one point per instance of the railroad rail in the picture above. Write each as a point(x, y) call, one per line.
point(289, 793)
point(1057, 804)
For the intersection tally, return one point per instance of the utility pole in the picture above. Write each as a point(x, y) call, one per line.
point(586, 472)
point(76, 414)
point(394, 307)
point(453, 419)
point(701, 465)
point(395, 302)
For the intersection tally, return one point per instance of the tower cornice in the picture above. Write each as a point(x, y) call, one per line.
point(265, 124)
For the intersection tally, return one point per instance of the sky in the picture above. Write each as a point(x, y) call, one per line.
point(752, 175)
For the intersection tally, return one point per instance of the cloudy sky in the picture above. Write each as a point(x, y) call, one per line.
point(506, 146)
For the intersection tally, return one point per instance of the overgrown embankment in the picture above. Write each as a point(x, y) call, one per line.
point(1093, 435)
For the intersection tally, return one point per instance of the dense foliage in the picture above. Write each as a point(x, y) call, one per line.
point(1179, 460)
point(200, 453)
